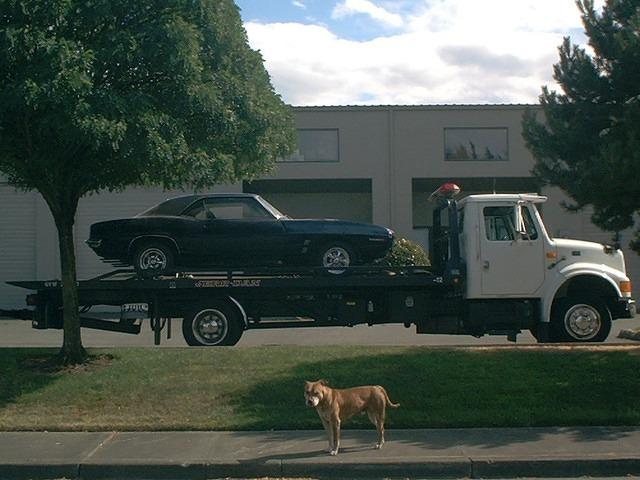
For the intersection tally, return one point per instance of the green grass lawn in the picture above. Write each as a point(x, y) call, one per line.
point(261, 388)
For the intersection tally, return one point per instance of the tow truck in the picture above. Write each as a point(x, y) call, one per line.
point(494, 270)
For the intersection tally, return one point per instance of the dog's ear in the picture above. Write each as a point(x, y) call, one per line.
point(324, 382)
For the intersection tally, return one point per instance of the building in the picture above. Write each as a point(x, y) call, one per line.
point(371, 163)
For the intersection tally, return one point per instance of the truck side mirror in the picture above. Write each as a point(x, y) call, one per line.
point(521, 229)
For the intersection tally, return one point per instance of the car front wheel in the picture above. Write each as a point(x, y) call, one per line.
point(336, 257)
point(153, 259)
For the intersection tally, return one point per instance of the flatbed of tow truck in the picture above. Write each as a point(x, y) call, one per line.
point(352, 277)
point(242, 299)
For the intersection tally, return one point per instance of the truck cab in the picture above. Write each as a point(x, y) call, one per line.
point(563, 290)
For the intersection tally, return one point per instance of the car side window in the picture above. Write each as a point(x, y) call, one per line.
point(235, 208)
point(199, 211)
point(499, 223)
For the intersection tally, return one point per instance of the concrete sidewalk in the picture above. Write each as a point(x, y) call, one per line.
point(441, 453)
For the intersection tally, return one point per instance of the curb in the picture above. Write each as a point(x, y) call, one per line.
point(567, 468)
point(630, 334)
point(409, 469)
point(36, 472)
point(470, 468)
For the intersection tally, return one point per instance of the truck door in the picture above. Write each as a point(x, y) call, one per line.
point(511, 262)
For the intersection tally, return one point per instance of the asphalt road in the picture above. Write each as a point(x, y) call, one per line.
point(18, 333)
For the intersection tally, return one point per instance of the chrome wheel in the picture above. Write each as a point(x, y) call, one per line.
point(336, 257)
point(582, 322)
point(153, 259)
point(210, 327)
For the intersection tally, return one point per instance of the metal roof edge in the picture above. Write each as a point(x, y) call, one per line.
point(501, 106)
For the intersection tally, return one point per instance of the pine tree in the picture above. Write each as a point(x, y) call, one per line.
point(588, 141)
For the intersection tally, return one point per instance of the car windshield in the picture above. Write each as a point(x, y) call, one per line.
point(272, 210)
point(173, 206)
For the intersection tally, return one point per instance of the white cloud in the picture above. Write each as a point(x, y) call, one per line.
point(347, 8)
point(449, 51)
point(298, 4)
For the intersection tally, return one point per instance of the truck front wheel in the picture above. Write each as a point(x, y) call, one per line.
point(212, 325)
point(578, 319)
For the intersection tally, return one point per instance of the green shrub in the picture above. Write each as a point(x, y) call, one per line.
point(405, 253)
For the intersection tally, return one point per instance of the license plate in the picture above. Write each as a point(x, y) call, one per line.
point(134, 310)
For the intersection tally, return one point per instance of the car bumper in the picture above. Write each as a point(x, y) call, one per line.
point(624, 308)
point(107, 250)
point(375, 247)
point(93, 243)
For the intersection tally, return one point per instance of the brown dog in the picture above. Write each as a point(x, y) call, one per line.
point(336, 406)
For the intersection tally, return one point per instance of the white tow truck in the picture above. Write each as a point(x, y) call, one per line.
point(494, 270)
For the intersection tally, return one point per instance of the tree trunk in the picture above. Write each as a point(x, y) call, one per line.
point(72, 351)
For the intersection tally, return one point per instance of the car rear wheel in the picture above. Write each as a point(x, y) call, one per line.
point(153, 259)
point(212, 325)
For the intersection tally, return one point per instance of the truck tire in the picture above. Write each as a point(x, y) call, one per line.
point(212, 325)
point(580, 319)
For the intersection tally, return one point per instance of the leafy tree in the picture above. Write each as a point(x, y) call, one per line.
point(589, 141)
point(110, 93)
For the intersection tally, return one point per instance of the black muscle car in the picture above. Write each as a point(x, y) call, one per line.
point(232, 230)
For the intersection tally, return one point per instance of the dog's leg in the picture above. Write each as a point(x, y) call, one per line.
point(327, 429)
point(335, 429)
point(378, 421)
point(380, 427)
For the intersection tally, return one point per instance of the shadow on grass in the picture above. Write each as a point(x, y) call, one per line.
point(24, 371)
point(445, 389)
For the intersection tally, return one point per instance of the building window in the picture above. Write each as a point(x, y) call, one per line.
point(476, 144)
point(316, 145)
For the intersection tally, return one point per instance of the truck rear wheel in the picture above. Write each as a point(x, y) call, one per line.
point(212, 325)
point(579, 319)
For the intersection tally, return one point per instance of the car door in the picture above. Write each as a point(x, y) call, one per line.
point(511, 264)
point(239, 231)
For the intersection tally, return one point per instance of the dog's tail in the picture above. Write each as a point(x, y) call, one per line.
point(389, 402)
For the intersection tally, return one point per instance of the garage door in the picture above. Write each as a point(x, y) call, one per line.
point(17, 243)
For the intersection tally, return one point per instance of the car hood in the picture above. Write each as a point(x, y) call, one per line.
point(329, 225)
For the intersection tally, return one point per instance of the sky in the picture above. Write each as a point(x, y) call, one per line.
point(410, 52)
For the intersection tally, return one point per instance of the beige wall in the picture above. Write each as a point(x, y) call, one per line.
point(364, 152)
point(393, 145)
